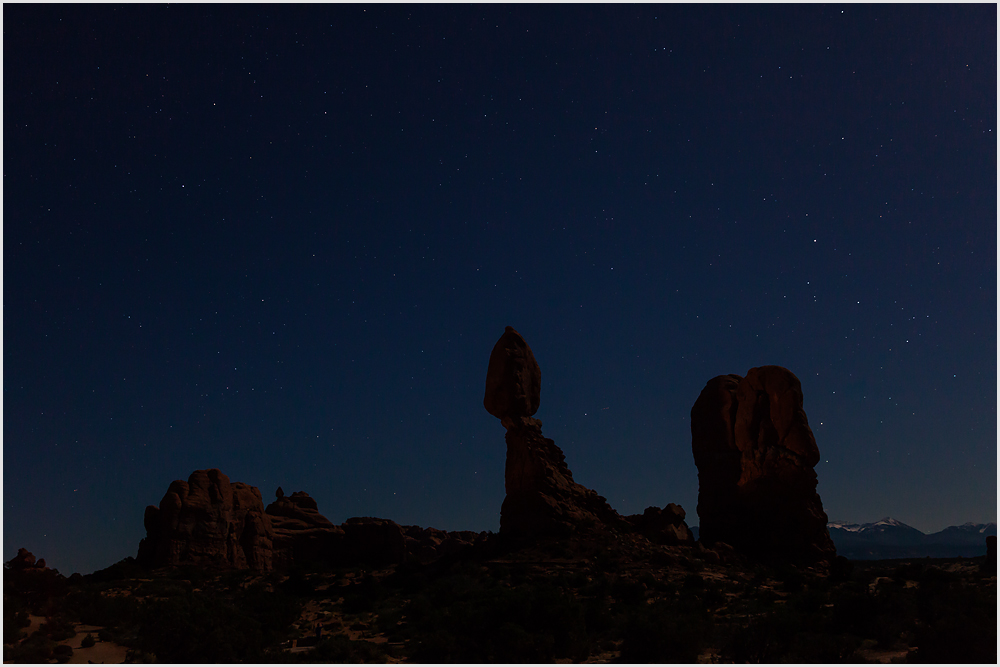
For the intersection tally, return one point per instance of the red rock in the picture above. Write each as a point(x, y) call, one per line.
point(25, 560)
point(210, 522)
point(372, 540)
point(301, 534)
point(513, 378)
point(755, 455)
point(663, 526)
point(429, 544)
point(542, 498)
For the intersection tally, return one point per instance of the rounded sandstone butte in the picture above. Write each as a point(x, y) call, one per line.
point(210, 522)
point(755, 455)
point(513, 379)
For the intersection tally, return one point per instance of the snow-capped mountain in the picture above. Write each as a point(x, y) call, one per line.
point(890, 538)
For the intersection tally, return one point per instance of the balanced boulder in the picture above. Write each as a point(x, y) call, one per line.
point(542, 498)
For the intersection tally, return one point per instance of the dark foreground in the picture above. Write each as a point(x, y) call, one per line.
point(597, 605)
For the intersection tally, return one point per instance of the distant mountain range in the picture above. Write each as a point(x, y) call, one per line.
point(890, 538)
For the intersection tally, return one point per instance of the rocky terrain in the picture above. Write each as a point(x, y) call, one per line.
point(219, 577)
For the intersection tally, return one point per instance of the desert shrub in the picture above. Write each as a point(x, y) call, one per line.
point(628, 592)
point(957, 623)
point(87, 641)
point(496, 624)
point(664, 633)
point(105, 635)
point(203, 627)
point(761, 640)
point(91, 607)
point(340, 649)
point(35, 649)
point(62, 653)
point(58, 629)
point(15, 617)
point(841, 569)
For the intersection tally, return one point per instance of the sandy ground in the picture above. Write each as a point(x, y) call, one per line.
point(99, 653)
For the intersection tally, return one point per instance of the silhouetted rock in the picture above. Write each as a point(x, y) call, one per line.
point(301, 534)
point(755, 455)
point(429, 544)
point(513, 378)
point(210, 522)
point(542, 498)
point(663, 526)
point(25, 560)
point(372, 540)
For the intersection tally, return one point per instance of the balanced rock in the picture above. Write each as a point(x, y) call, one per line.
point(542, 498)
point(210, 522)
point(755, 455)
point(301, 534)
point(513, 379)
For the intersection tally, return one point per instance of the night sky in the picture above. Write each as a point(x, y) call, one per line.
point(282, 240)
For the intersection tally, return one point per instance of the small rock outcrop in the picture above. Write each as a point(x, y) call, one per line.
point(301, 534)
point(663, 526)
point(372, 540)
point(25, 560)
point(210, 522)
point(755, 455)
point(428, 544)
point(542, 498)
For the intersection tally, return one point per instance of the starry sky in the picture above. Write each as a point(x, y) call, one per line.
point(282, 241)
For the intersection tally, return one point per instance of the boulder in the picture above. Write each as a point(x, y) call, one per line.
point(301, 534)
point(663, 526)
point(542, 499)
point(755, 455)
point(209, 522)
point(513, 378)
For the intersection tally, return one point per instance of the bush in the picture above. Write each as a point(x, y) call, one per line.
point(14, 618)
point(35, 649)
point(87, 641)
point(62, 653)
point(664, 633)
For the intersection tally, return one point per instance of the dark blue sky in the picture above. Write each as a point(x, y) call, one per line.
point(282, 241)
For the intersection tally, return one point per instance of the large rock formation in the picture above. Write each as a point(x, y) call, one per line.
point(301, 534)
point(210, 522)
point(542, 498)
point(755, 455)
